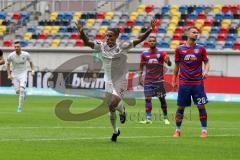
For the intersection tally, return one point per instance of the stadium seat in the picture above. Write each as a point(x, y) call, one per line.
point(27, 36)
point(60, 16)
point(217, 8)
point(177, 37)
point(109, 15)
point(210, 44)
point(139, 23)
point(225, 23)
point(174, 44)
point(3, 15)
point(133, 16)
point(146, 44)
point(63, 29)
point(77, 16)
point(179, 30)
point(201, 15)
point(189, 22)
point(231, 37)
point(190, 9)
point(228, 44)
point(100, 15)
point(55, 29)
point(79, 43)
point(16, 16)
point(226, 9)
point(24, 43)
point(219, 16)
point(208, 22)
point(105, 22)
point(165, 9)
point(236, 45)
point(100, 36)
point(221, 37)
point(174, 9)
point(199, 9)
point(223, 30)
point(75, 35)
point(130, 22)
point(199, 23)
point(228, 15)
point(219, 45)
point(124, 36)
point(206, 29)
point(3, 29)
point(163, 44)
point(7, 43)
point(234, 9)
point(53, 16)
point(183, 9)
point(136, 29)
point(141, 8)
point(103, 29)
point(128, 30)
point(67, 16)
point(149, 8)
point(43, 36)
point(55, 42)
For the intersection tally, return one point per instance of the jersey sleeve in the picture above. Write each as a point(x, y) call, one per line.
point(164, 55)
point(29, 58)
point(97, 45)
point(204, 54)
point(9, 59)
point(177, 55)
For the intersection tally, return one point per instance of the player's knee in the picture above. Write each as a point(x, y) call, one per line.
point(17, 92)
point(201, 106)
point(148, 100)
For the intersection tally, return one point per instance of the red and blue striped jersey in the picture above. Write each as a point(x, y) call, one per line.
point(190, 63)
point(153, 61)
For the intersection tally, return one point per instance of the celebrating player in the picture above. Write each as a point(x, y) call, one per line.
point(153, 60)
point(17, 60)
point(1, 57)
point(113, 55)
point(189, 59)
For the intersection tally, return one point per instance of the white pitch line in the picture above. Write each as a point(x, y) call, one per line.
point(104, 127)
point(102, 138)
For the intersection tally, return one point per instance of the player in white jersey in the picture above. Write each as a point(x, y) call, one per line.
point(17, 60)
point(114, 64)
point(1, 57)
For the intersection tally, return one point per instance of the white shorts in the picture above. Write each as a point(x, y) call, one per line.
point(20, 81)
point(118, 88)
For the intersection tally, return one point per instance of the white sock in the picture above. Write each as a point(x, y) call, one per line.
point(113, 117)
point(120, 107)
point(21, 97)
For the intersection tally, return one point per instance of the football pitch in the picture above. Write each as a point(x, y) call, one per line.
point(37, 133)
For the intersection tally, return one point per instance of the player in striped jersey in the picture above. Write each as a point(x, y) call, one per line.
point(189, 60)
point(113, 55)
point(153, 60)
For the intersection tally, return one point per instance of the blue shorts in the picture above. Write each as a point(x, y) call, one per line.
point(197, 92)
point(155, 89)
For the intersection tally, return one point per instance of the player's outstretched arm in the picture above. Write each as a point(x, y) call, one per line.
point(8, 72)
point(145, 35)
point(140, 72)
point(32, 68)
point(175, 74)
point(84, 37)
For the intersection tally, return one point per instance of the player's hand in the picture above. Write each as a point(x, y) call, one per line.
point(204, 75)
point(79, 26)
point(9, 77)
point(33, 73)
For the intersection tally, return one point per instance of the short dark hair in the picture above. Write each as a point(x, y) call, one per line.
point(17, 42)
point(153, 37)
point(192, 27)
point(116, 31)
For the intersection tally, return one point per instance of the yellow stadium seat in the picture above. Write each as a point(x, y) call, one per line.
point(109, 15)
point(27, 36)
point(174, 9)
point(77, 16)
point(174, 44)
point(53, 16)
point(1, 21)
point(103, 29)
point(238, 30)
point(47, 29)
point(199, 23)
point(90, 22)
point(133, 16)
point(1, 34)
point(3, 29)
point(55, 43)
point(226, 23)
point(171, 30)
point(136, 29)
point(173, 23)
point(206, 29)
point(176, 15)
point(217, 8)
point(55, 29)
point(141, 8)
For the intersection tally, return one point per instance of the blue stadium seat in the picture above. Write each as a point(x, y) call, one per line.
point(231, 37)
point(60, 16)
point(163, 44)
point(125, 36)
point(23, 43)
point(219, 16)
point(62, 29)
point(165, 9)
point(31, 29)
point(229, 44)
point(215, 30)
point(68, 15)
point(183, 9)
point(228, 15)
point(199, 9)
point(139, 22)
point(161, 29)
point(210, 44)
point(192, 15)
point(106, 22)
point(3, 15)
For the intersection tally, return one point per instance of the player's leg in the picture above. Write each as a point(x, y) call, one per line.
point(200, 99)
point(163, 102)
point(23, 82)
point(183, 100)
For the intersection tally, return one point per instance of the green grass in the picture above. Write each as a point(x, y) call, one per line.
point(37, 134)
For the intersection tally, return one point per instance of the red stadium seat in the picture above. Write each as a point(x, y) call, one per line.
point(236, 45)
point(157, 22)
point(208, 22)
point(146, 44)
point(16, 16)
point(100, 15)
point(179, 30)
point(75, 35)
point(100, 36)
point(225, 9)
point(234, 9)
point(223, 31)
point(130, 23)
point(221, 37)
point(121, 28)
point(189, 22)
point(202, 15)
point(42, 36)
point(7, 43)
point(149, 8)
point(177, 37)
point(79, 43)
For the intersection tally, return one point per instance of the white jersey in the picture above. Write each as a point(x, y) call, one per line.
point(18, 62)
point(114, 59)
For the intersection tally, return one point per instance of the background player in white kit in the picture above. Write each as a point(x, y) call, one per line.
point(114, 64)
point(17, 59)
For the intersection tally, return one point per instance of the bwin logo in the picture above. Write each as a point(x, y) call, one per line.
point(190, 57)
